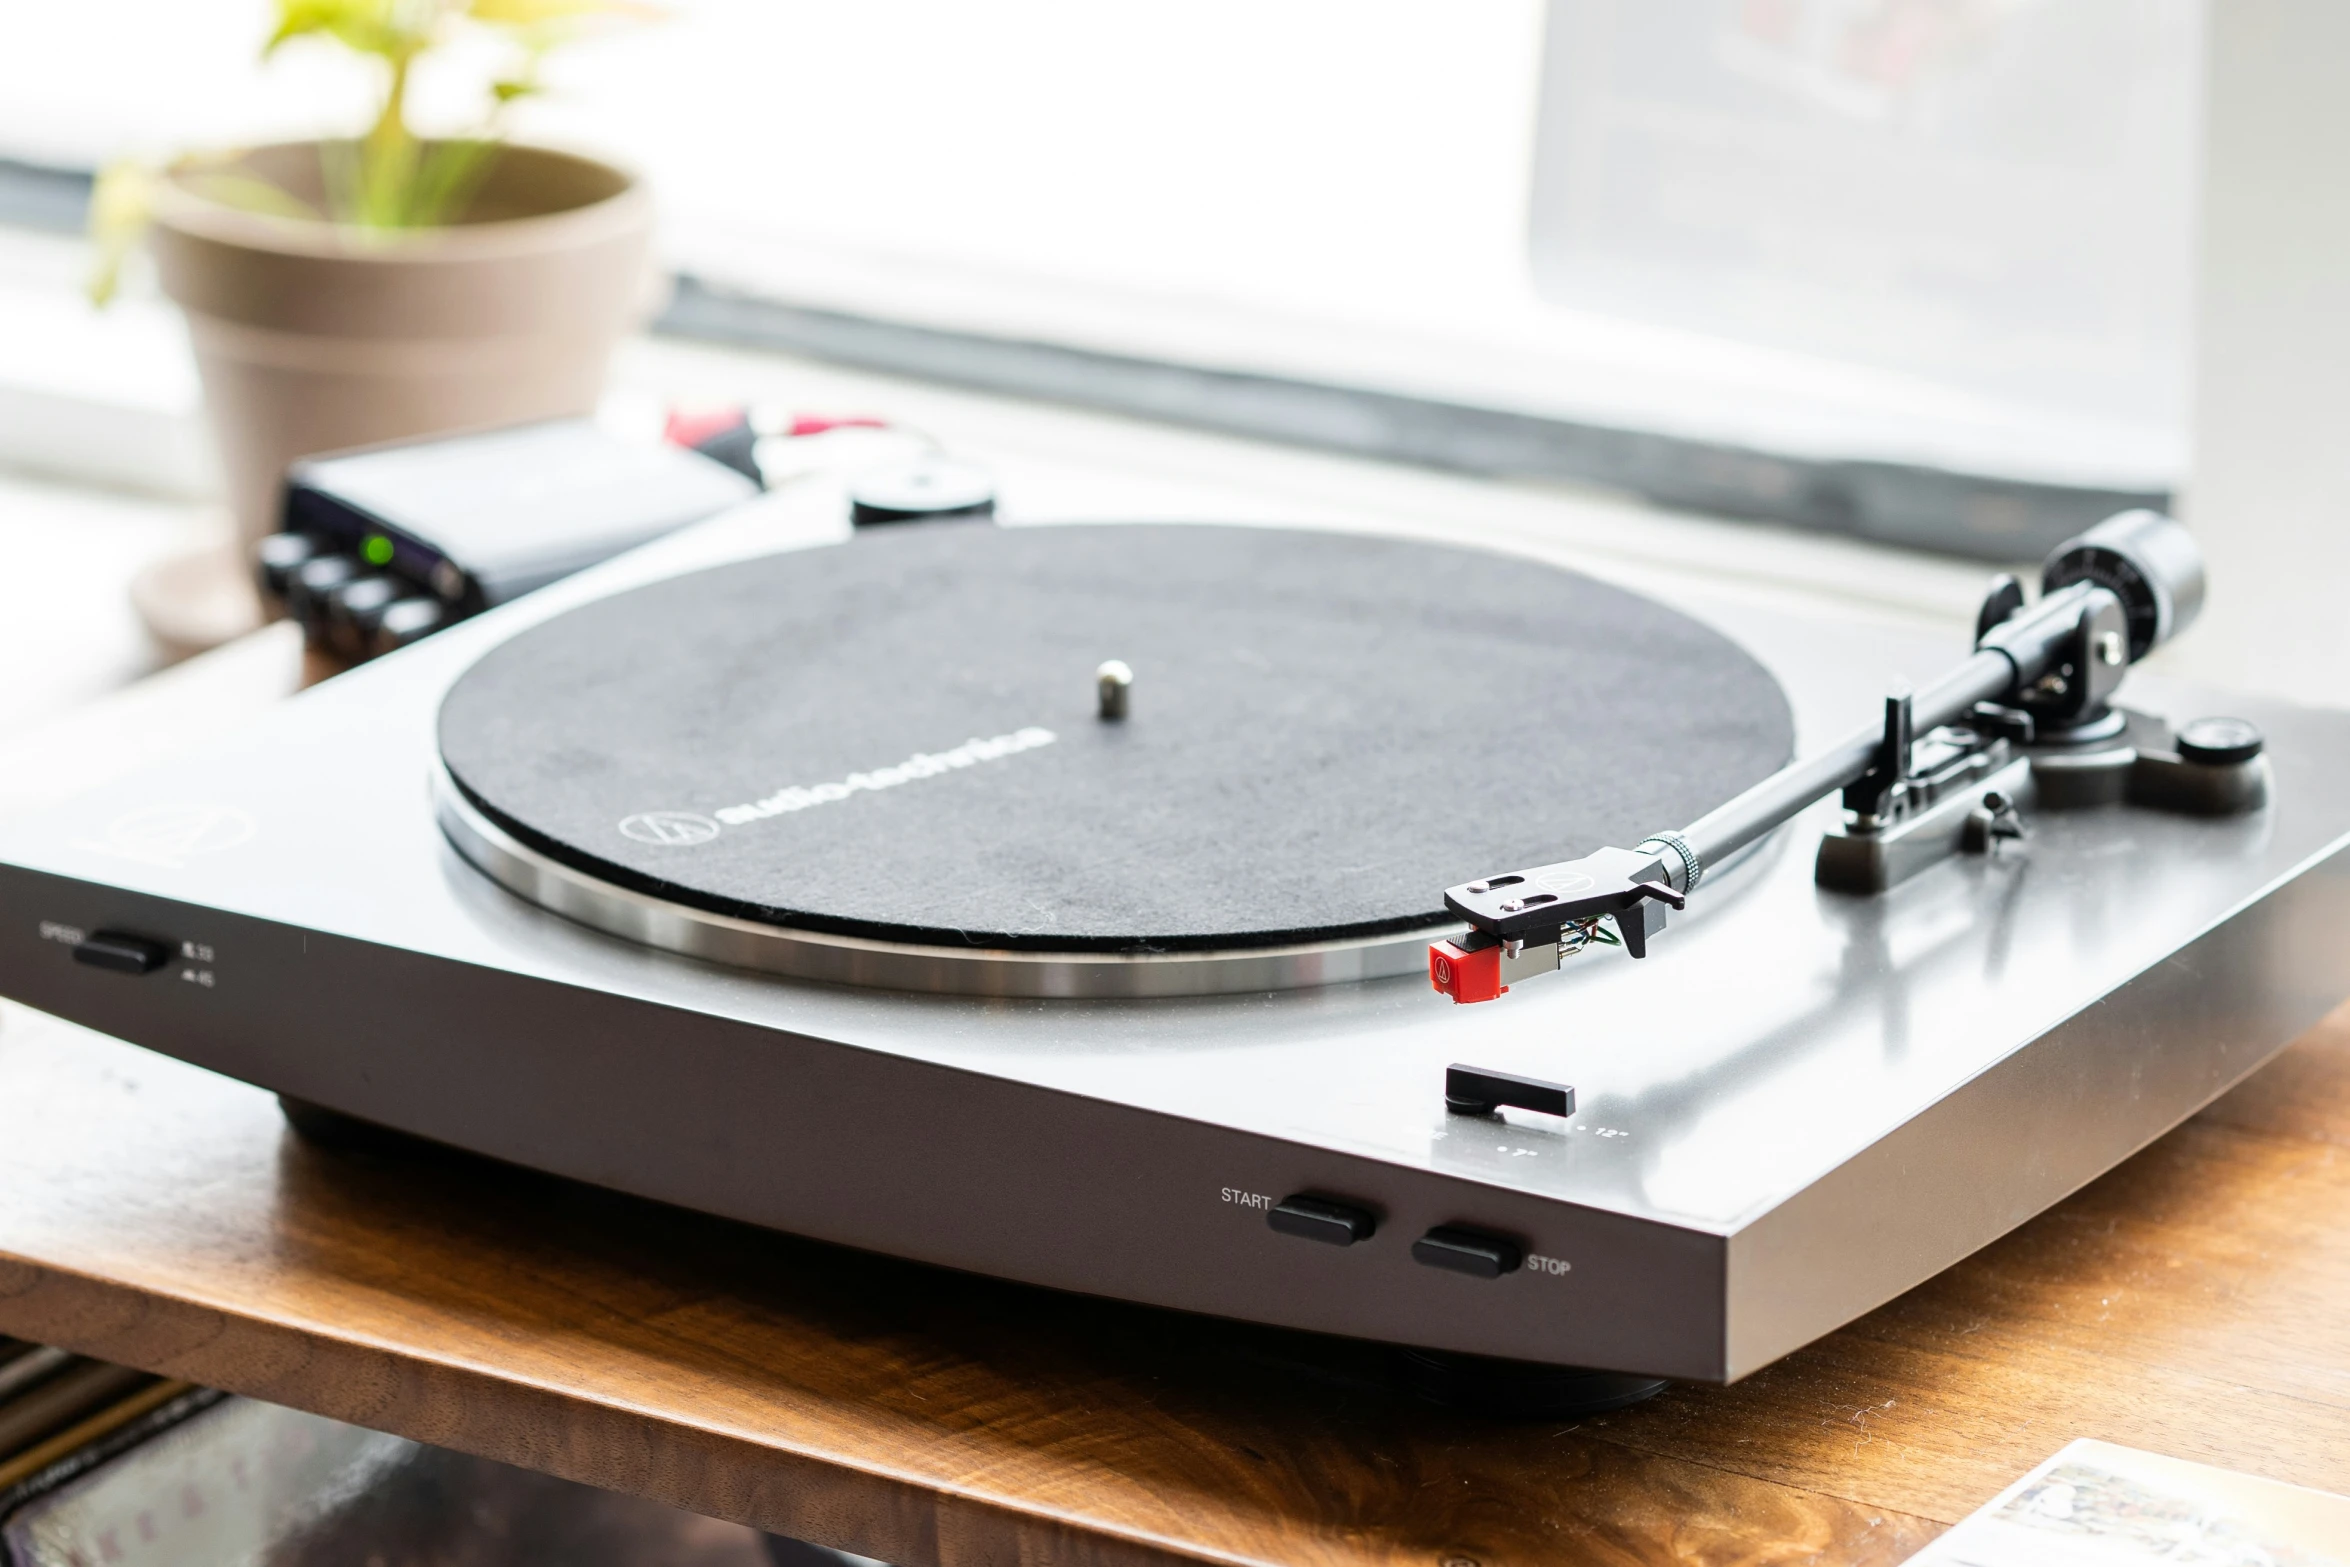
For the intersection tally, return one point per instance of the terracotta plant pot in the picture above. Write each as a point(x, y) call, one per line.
point(311, 337)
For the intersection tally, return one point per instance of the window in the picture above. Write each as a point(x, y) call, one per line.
point(1913, 268)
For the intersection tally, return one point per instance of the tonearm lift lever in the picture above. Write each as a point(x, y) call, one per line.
point(2026, 721)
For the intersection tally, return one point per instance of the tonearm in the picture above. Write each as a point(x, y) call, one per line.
point(2025, 721)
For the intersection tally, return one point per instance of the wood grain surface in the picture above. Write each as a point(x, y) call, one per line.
point(158, 1216)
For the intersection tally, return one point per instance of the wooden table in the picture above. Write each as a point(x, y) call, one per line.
point(2193, 1302)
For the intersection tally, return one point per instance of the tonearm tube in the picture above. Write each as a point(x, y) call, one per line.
point(1945, 771)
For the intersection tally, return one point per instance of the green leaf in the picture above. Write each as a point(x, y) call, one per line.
point(447, 179)
point(388, 178)
point(544, 13)
point(248, 192)
point(369, 26)
point(121, 204)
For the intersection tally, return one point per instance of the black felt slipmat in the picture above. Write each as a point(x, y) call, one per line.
point(1326, 731)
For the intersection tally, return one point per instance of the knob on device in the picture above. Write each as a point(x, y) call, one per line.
point(1477, 1090)
point(2220, 742)
point(929, 488)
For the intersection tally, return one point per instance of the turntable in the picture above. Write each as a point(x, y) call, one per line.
point(1102, 906)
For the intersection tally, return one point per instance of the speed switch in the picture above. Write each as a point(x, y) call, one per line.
point(111, 949)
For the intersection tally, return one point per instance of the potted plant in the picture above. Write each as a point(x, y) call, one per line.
point(345, 292)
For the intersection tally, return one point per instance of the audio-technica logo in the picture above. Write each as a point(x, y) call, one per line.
point(670, 829)
point(683, 829)
point(922, 764)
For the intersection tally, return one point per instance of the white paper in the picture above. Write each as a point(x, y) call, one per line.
point(2098, 1505)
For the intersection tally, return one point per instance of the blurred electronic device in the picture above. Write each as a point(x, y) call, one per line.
point(385, 545)
point(1098, 905)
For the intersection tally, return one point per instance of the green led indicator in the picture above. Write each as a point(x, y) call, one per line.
point(377, 549)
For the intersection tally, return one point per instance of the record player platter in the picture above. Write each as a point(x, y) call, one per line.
point(902, 742)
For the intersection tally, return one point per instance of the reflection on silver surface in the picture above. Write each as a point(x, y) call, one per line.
point(852, 960)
